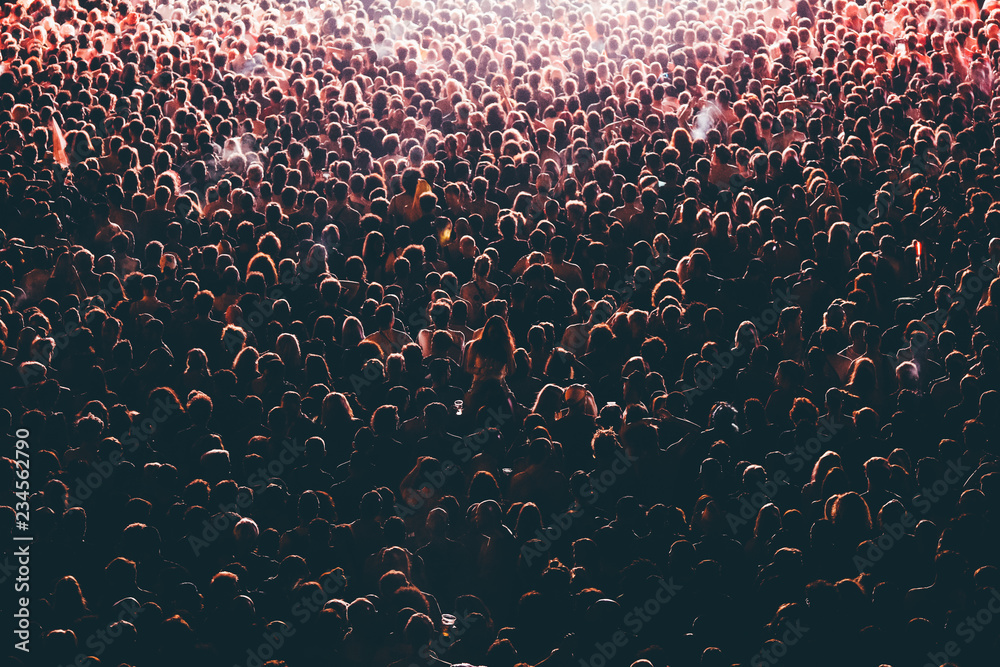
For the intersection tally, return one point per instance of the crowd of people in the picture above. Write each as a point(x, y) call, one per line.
point(501, 333)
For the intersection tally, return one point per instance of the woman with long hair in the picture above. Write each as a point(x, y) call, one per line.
point(287, 347)
point(339, 426)
point(372, 254)
point(548, 403)
point(67, 605)
point(529, 522)
point(317, 372)
point(787, 337)
point(245, 368)
point(851, 519)
point(196, 375)
point(491, 354)
point(488, 359)
point(863, 384)
point(65, 280)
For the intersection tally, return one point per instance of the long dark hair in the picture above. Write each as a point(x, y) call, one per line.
point(495, 343)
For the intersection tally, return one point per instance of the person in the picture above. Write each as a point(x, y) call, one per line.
point(490, 357)
point(440, 316)
point(479, 291)
point(388, 339)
